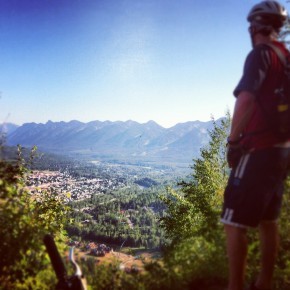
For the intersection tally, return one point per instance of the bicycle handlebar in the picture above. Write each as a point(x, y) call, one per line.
point(55, 258)
point(74, 282)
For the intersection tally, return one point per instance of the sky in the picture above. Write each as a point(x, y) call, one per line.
point(170, 61)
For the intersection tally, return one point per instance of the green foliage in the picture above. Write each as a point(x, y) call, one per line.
point(128, 215)
point(193, 210)
point(146, 182)
point(192, 222)
point(155, 277)
point(197, 248)
point(110, 277)
point(282, 274)
point(24, 219)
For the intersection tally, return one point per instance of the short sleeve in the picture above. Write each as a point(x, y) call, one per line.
point(255, 70)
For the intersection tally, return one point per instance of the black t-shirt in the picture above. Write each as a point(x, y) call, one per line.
point(262, 74)
point(256, 67)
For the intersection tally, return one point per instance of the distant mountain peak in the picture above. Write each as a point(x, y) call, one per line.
point(117, 139)
point(7, 128)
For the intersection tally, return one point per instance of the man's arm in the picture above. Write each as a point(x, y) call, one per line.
point(242, 113)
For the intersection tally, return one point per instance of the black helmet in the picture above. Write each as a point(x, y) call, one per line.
point(268, 14)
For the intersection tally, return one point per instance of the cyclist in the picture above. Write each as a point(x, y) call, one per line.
point(257, 156)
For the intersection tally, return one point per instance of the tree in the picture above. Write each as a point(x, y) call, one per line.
point(193, 210)
point(24, 219)
point(284, 35)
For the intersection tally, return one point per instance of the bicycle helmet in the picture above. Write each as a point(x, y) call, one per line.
point(268, 14)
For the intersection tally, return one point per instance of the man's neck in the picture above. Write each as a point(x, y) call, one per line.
point(262, 39)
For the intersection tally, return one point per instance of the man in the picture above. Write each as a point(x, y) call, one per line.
point(257, 156)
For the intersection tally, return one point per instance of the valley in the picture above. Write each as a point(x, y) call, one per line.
point(113, 204)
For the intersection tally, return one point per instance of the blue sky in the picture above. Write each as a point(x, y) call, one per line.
point(170, 61)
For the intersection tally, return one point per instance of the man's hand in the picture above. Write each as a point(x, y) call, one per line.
point(234, 153)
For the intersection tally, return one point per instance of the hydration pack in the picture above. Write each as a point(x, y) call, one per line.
point(280, 116)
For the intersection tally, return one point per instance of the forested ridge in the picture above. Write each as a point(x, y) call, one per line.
point(180, 218)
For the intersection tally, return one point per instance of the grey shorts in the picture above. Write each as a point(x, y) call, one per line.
point(255, 188)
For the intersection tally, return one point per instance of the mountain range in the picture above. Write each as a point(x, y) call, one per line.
point(120, 141)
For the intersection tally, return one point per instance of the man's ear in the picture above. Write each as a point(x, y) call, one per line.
point(266, 31)
point(253, 30)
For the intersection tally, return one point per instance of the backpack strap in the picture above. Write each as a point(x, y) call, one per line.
point(283, 61)
point(279, 53)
